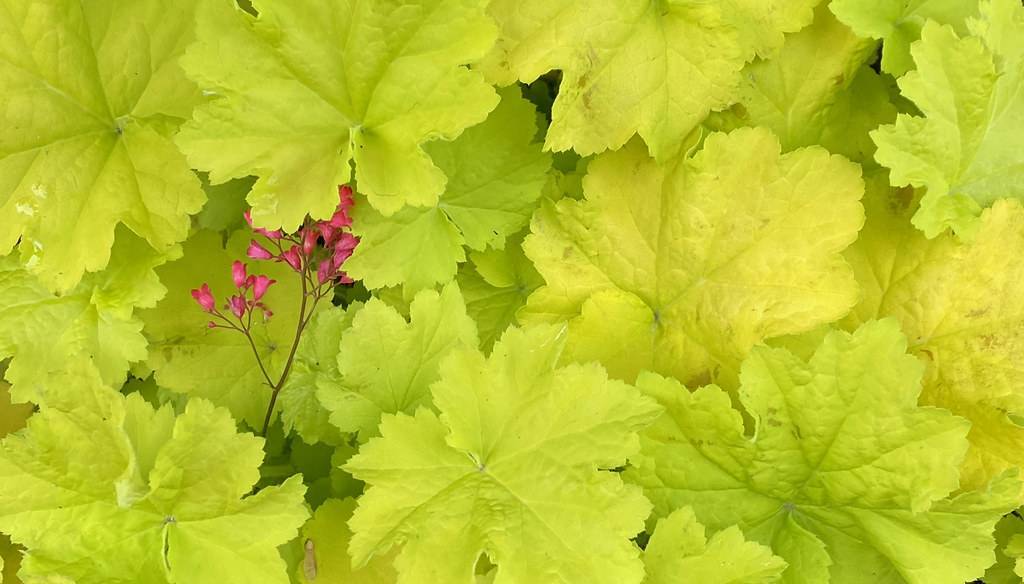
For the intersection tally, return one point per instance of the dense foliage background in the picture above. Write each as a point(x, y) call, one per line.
point(511, 291)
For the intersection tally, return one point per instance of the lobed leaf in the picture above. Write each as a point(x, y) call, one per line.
point(306, 88)
point(688, 266)
point(90, 94)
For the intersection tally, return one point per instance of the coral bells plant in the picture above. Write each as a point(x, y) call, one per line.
point(315, 253)
point(631, 291)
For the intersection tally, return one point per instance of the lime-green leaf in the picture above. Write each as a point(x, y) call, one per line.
point(96, 321)
point(308, 87)
point(89, 93)
point(899, 22)
point(510, 469)
point(687, 267)
point(387, 364)
point(965, 149)
point(139, 496)
point(315, 367)
point(495, 173)
point(680, 552)
point(817, 90)
point(218, 364)
point(325, 540)
point(225, 209)
point(634, 66)
point(843, 474)
point(496, 285)
point(962, 308)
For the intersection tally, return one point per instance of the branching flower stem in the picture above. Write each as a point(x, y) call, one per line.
point(303, 320)
point(316, 253)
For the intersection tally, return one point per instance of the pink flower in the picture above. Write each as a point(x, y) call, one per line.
point(340, 219)
point(325, 271)
point(346, 241)
point(258, 252)
point(291, 256)
point(327, 231)
point(344, 279)
point(276, 234)
point(344, 247)
point(237, 305)
point(309, 237)
point(204, 297)
point(211, 324)
point(345, 200)
point(260, 286)
point(238, 273)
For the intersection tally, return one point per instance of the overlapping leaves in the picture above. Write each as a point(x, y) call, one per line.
point(496, 173)
point(89, 96)
point(386, 365)
point(684, 251)
point(307, 87)
point(844, 475)
point(217, 364)
point(95, 323)
point(688, 266)
point(964, 149)
point(512, 468)
point(652, 68)
point(962, 308)
point(141, 496)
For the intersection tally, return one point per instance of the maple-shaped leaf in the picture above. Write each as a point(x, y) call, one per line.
point(513, 468)
point(103, 489)
point(816, 91)
point(898, 23)
point(965, 149)
point(325, 540)
point(89, 95)
point(218, 364)
point(307, 87)
point(842, 474)
point(962, 307)
point(679, 551)
point(387, 364)
point(688, 266)
point(496, 284)
point(496, 174)
point(96, 321)
point(315, 367)
point(633, 66)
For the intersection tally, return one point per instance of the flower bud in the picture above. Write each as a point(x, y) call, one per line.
point(237, 306)
point(258, 252)
point(260, 286)
point(291, 256)
point(309, 237)
point(204, 297)
point(238, 273)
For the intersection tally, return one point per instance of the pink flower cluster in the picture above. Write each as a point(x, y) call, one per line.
point(251, 289)
point(330, 235)
point(319, 247)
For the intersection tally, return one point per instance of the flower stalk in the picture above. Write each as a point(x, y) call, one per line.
point(316, 253)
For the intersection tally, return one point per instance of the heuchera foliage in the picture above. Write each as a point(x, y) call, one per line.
point(511, 291)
